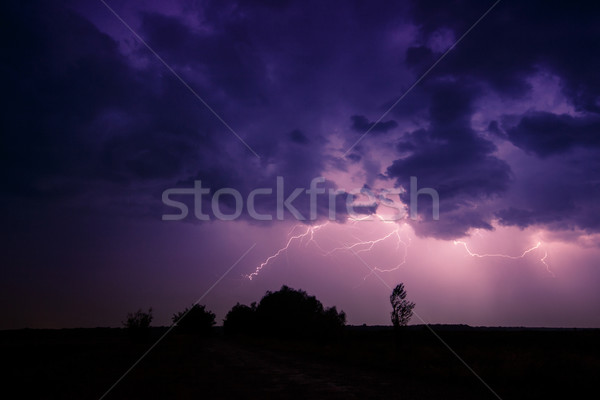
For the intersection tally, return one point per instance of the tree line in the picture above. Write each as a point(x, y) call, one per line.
point(289, 313)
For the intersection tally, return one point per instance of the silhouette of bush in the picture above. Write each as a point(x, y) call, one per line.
point(138, 324)
point(195, 320)
point(293, 313)
point(241, 319)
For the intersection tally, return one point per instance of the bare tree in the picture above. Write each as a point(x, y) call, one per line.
point(401, 308)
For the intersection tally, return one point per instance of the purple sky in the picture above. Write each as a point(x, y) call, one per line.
point(506, 128)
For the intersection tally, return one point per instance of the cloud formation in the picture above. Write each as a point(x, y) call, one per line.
point(361, 125)
point(478, 185)
point(94, 118)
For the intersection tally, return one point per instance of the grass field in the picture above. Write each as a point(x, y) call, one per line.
point(366, 363)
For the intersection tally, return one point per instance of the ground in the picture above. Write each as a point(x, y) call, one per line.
point(365, 363)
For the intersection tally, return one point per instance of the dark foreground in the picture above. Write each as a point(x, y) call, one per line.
point(367, 363)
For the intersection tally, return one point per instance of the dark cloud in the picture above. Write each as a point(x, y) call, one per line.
point(546, 38)
point(297, 136)
point(561, 195)
point(92, 115)
point(546, 134)
point(494, 128)
point(404, 146)
point(361, 125)
point(419, 57)
point(454, 160)
point(80, 113)
point(230, 61)
point(475, 184)
point(354, 158)
point(86, 121)
point(524, 218)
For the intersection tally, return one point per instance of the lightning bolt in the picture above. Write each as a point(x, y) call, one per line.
point(358, 246)
point(310, 230)
point(501, 255)
point(366, 245)
point(307, 236)
point(457, 242)
point(543, 261)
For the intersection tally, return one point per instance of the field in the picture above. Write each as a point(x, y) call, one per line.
point(366, 363)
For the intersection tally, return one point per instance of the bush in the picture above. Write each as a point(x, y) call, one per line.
point(293, 313)
point(196, 320)
point(138, 323)
point(240, 319)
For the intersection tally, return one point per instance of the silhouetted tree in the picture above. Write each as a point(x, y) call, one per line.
point(138, 323)
point(293, 313)
point(195, 320)
point(401, 308)
point(240, 319)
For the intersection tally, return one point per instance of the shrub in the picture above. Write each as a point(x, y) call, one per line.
point(195, 320)
point(240, 319)
point(293, 313)
point(138, 323)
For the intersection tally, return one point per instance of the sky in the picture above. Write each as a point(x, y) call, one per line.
point(116, 110)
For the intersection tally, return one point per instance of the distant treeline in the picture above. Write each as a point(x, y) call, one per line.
point(287, 313)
